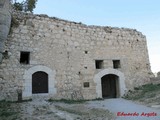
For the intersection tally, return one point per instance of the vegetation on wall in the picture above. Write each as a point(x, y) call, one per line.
point(26, 6)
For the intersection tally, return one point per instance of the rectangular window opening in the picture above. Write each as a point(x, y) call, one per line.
point(116, 64)
point(99, 64)
point(24, 57)
point(86, 84)
point(86, 52)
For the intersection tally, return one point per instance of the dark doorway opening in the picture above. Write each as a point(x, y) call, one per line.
point(39, 82)
point(110, 87)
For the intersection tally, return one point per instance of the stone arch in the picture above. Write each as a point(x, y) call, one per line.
point(98, 76)
point(27, 92)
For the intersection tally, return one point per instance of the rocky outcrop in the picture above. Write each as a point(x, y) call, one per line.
point(5, 21)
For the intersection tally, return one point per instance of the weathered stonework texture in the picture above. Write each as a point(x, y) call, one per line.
point(5, 21)
point(67, 52)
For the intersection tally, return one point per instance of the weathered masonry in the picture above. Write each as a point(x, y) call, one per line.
point(69, 60)
point(5, 21)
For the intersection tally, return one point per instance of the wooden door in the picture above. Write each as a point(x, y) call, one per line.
point(109, 89)
point(39, 82)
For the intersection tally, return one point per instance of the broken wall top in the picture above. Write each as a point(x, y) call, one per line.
point(20, 16)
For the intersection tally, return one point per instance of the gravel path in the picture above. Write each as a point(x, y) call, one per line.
point(40, 109)
point(126, 106)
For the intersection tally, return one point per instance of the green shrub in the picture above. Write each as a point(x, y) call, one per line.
point(68, 101)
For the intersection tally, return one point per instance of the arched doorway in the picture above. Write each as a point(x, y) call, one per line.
point(39, 82)
point(120, 83)
point(110, 88)
point(27, 92)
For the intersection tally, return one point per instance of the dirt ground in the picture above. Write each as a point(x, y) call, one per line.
point(44, 110)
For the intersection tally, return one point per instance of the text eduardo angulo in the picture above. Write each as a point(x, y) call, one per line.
point(149, 114)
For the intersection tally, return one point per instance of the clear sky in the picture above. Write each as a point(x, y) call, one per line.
point(143, 15)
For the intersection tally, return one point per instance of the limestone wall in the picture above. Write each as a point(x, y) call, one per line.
point(70, 49)
point(5, 20)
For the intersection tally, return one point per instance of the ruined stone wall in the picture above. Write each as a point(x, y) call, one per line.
point(71, 49)
point(156, 79)
point(5, 21)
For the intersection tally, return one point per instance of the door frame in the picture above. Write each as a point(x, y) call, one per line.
point(27, 85)
point(97, 80)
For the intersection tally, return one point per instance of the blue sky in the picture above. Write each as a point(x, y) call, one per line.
point(143, 15)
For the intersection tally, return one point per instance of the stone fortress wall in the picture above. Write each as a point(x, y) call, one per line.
point(5, 21)
point(68, 52)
